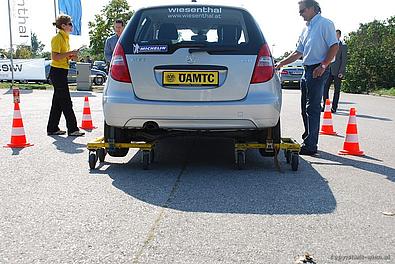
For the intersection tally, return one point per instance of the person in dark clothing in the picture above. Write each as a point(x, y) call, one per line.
point(337, 71)
point(61, 101)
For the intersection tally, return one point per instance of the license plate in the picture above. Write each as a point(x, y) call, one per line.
point(296, 72)
point(191, 78)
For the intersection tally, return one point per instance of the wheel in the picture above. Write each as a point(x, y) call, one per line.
point(101, 153)
point(98, 80)
point(263, 134)
point(287, 154)
point(120, 136)
point(92, 160)
point(240, 159)
point(146, 159)
point(294, 161)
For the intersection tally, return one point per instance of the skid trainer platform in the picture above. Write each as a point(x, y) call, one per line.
point(98, 150)
point(290, 147)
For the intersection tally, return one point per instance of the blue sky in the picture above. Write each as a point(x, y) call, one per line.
point(279, 19)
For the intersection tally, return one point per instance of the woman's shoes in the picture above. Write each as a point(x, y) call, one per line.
point(61, 132)
point(76, 134)
point(56, 133)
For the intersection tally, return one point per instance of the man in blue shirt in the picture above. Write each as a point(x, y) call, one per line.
point(318, 46)
point(112, 41)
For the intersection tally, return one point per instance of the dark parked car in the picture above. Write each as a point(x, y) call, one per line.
point(98, 77)
point(100, 65)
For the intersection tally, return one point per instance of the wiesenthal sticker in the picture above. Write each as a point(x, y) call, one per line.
point(149, 48)
point(195, 12)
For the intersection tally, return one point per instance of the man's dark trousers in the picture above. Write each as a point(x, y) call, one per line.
point(311, 94)
point(337, 83)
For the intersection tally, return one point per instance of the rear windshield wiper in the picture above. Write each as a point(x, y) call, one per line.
point(212, 49)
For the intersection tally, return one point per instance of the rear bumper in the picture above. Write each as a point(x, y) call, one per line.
point(290, 79)
point(259, 109)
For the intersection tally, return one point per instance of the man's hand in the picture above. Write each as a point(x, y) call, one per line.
point(73, 54)
point(318, 72)
point(279, 65)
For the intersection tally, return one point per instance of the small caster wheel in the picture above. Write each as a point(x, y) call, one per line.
point(152, 156)
point(92, 160)
point(101, 153)
point(146, 159)
point(294, 161)
point(287, 154)
point(240, 159)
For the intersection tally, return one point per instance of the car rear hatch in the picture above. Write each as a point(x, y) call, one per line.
point(192, 53)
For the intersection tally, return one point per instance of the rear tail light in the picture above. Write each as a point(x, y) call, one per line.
point(284, 72)
point(119, 68)
point(264, 68)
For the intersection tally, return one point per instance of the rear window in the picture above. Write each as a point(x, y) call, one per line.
point(165, 29)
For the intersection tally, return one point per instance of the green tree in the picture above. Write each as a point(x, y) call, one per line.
point(3, 54)
point(102, 26)
point(23, 52)
point(371, 57)
point(37, 46)
point(46, 55)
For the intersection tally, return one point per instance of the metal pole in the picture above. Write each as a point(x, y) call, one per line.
point(54, 7)
point(12, 59)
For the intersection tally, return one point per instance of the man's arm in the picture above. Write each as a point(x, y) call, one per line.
point(107, 51)
point(343, 63)
point(325, 63)
point(330, 55)
point(291, 58)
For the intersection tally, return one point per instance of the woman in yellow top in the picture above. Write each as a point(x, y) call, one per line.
point(61, 101)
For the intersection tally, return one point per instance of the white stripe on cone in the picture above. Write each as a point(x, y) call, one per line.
point(18, 131)
point(327, 108)
point(86, 117)
point(17, 114)
point(351, 138)
point(352, 120)
point(327, 121)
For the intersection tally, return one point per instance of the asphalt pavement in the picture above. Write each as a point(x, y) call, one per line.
point(192, 205)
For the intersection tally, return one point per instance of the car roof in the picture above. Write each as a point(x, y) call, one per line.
point(193, 5)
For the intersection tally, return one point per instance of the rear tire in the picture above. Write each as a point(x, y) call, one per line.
point(98, 80)
point(119, 136)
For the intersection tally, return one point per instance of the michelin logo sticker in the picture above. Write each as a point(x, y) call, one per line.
point(149, 48)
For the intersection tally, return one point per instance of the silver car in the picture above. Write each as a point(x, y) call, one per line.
point(291, 74)
point(185, 69)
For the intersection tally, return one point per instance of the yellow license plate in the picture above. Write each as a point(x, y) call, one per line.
point(191, 78)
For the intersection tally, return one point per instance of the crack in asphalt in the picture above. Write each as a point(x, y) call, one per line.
point(153, 230)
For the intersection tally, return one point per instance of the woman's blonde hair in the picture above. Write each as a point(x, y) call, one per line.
point(62, 20)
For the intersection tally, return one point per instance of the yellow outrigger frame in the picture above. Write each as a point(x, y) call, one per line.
point(98, 149)
point(99, 143)
point(290, 147)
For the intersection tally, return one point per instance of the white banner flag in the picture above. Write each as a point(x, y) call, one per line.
point(24, 70)
point(20, 20)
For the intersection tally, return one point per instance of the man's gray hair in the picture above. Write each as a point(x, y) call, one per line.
point(311, 3)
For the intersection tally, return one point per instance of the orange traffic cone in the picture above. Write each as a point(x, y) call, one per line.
point(327, 125)
point(18, 138)
point(86, 116)
point(351, 145)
